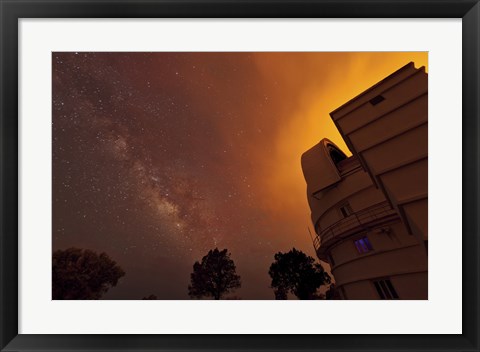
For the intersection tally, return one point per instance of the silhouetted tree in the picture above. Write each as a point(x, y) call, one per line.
point(83, 274)
point(151, 297)
point(332, 293)
point(280, 293)
point(297, 273)
point(214, 276)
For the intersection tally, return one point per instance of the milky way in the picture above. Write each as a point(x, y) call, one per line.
point(159, 157)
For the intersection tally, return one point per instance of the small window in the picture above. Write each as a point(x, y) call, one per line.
point(363, 245)
point(377, 100)
point(385, 289)
point(346, 210)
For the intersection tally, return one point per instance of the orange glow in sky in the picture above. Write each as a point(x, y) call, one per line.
point(319, 83)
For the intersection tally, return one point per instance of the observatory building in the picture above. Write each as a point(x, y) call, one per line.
point(370, 210)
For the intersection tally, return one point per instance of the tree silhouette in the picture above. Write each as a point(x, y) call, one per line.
point(83, 274)
point(332, 293)
point(297, 273)
point(214, 276)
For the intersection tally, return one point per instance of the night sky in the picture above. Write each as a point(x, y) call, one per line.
point(159, 157)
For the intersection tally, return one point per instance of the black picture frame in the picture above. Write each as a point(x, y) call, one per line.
point(12, 10)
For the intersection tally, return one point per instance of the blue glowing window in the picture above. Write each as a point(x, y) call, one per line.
point(363, 245)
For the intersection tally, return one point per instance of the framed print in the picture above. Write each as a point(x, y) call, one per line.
point(239, 176)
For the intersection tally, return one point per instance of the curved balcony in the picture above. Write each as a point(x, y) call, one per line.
point(359, 221)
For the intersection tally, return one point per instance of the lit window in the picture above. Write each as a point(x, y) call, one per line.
point(385, 289)
point(346, 210)
point(363, 245)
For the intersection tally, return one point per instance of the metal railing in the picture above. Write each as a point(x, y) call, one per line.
point(357, 221)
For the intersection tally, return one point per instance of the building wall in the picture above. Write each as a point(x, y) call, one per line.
point(386, 128)
point(385, 184)
point(357, 189)
point(395, 253)
point(412, 286)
